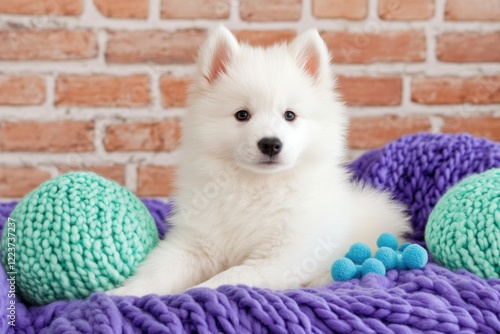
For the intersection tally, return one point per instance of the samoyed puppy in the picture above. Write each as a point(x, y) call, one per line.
point(262, 194)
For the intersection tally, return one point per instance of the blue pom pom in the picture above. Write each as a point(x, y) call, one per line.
point(343, 270)
point(400, 265)
point(403, 246)
point(387, 256)
point(387, 240)
point(358, 271)
point(373, 266)
point(359, 252)
point(415, 257)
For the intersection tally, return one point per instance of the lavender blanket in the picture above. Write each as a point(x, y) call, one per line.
point(417, 169)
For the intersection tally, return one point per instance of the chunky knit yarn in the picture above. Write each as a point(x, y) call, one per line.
point(464, 228)
point(431, 300)
point(77, 234)
point(419, 169)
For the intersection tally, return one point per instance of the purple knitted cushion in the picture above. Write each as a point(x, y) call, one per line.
point(417, 169)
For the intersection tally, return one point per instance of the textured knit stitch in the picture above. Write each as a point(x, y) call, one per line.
point(419, 169)
point(77, 234)
point(464, 228)
point(432, 300)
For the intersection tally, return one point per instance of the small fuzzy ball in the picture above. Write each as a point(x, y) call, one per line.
point(374, 266)
point(359, 252)
point(387, 256)
point(358, 271)
point(400, 265)
point(403, 246)
point(415, 257)
point(387, 240)
point(343, 270)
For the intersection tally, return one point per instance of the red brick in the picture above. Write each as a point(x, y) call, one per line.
point(21, 90)
point(477, 10)
point(447, 90)
point(155, 180)
point(264, 37)
point(112, 172)
point(42, 7)
point(270, 10)
point(373, 132)
point(195, 9)
point(134, 9)
point(371, 91)
point(363, 48)
point(103, 90)
point(469, 47)
point(57, 136)
point(160, 136)
point(406, 9)
point(340, 9)
point(15, 182)
point(27, 44)
point(156, 46)
point(174, 91)
point(481, 126)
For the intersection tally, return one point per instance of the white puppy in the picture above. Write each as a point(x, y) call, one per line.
point(263, 198)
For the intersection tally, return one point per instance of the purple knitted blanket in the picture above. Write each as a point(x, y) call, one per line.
point(417, 169)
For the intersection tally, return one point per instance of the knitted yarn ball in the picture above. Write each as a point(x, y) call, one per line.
point(464, 228)
point(77, 234)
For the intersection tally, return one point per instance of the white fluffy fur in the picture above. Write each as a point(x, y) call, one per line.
point(240, 222)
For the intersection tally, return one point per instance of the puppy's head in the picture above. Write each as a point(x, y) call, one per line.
point(265, 110)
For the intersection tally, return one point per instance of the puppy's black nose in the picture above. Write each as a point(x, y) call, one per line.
point(270, 146)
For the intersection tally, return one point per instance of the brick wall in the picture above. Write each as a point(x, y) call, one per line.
point(101, 84)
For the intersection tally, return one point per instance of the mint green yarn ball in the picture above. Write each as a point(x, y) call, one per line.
point(77, 234)
point(463, 230)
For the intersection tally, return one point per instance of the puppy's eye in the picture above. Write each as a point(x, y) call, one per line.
point(242, 115)
point(289, 115)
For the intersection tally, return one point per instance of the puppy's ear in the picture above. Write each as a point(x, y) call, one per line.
point(311, 54)
point(216, 53)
